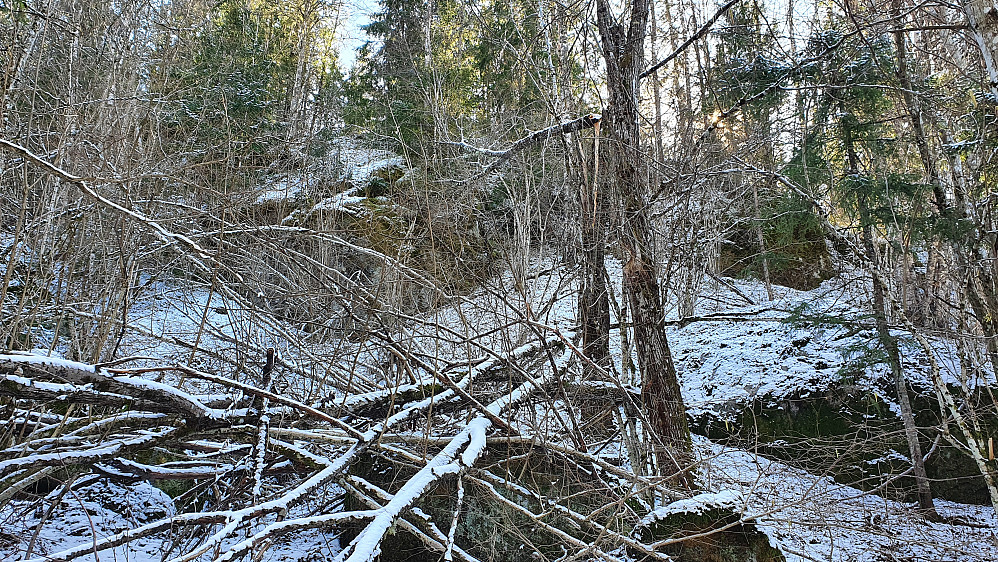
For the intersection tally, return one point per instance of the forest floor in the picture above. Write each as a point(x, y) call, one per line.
point(739, 347)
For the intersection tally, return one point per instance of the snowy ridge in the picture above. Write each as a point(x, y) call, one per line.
point(812, 517)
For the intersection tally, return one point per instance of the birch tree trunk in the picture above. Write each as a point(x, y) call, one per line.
point(972, 257)
point(983, 26)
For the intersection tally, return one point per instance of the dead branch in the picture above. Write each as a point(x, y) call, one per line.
point(502, 156)
point(418, 523)
point(106, 450)
point(470, 443)
point(700, 33)
point(158, 229)
point(26, 373)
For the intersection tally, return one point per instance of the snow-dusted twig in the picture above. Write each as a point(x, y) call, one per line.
point(693, 38)
point(28, 371)
point(81, 183)
point(292, 525)
point(125, 537)
point(563, 536)
point(330, 469)
point(449, 552)
point(130, 469)
point(252, 390)
point(22, 481)
point(419, 523)
point(260, 404)
point(326, 475)
point(501, 156)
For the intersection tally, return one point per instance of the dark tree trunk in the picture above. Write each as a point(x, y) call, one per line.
point(623, 50)
point(925, 502)
point(594, 301)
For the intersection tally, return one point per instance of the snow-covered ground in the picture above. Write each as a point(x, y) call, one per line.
point(95, 510)
point(806, 517)
point(350, 165)
point(734, 352)
point(739, 352)
point(812, 517)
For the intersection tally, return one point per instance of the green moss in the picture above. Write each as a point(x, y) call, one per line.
point(852, 435)
point(739, 542)
point(175, 488)
point(796, 252)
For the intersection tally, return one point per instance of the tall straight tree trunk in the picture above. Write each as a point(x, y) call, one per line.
point(982, 29)
point(623, 50)
point(659, 131)
point(915, 113)
point(925, 502)
point(594, 301)
point(761, 238)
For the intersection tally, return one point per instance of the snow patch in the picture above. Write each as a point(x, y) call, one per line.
point(697, 505)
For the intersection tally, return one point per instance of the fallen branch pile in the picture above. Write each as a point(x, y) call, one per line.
point(255, 459)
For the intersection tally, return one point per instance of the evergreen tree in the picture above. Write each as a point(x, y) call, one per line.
point(385, 92)
point(230, 84)
point(864, 154)
point(746, 67)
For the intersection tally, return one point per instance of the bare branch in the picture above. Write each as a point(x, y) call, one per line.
point(699, 34)
point(501, 156)
point(158, 229)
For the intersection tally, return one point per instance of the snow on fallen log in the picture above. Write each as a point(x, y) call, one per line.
point(106, 450)
point(289, 525)
point(326, 475)
point(472, 439)
point(36, 359)
point(462, 452)
point(130, 469)
point(125, 537)
point(280, 506)
point(420, 524)
point(60, 378)
point(262, 393)
point(22, 480)
point(697, 505)
point(367, 544)
point(29, 388)
point(333, 470)
point(88, 382)
point(117, 418)
point(233, 519)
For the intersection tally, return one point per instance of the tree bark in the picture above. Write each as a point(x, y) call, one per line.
point(984, 35)
point(757, 215)
point(594, 302)
point(982, 300)
point(623, 50)
point(915, 114)
point(925, 502)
